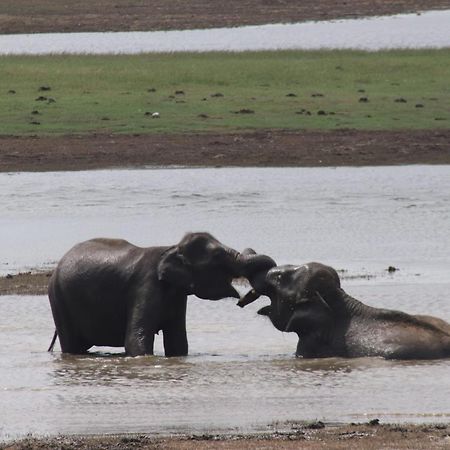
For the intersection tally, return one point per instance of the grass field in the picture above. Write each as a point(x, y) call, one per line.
point(224, 92)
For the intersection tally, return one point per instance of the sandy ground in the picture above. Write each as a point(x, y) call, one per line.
point(299, 436)
point(39, 16)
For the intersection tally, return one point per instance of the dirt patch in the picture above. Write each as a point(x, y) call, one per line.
point(308, 437)
point(43, 16)
point(258, 149)
point(25, 283)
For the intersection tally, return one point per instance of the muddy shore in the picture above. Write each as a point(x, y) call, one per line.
point(305, 436)
point(252, 149)
point(25, 283)
point(46, 16)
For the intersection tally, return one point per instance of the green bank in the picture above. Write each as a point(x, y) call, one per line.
point(224, 92)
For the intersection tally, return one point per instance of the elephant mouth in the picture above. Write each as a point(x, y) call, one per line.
point(217, 291)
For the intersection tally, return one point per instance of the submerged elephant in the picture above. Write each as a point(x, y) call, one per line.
point(108, 292)
point(308, 300)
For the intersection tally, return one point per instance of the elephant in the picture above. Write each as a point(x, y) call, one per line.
point(109, 292)
point(308, 300)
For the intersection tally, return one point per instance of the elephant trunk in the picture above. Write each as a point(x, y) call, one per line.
point(250, 264)
point(254, 267)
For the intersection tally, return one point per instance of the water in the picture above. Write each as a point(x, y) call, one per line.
point(359, 219)
point(241, 374)
point(426, 30)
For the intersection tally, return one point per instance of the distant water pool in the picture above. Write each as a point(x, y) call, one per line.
point(429, 29)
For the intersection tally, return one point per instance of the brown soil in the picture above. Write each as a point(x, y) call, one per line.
point(259, 149)
point(308, 437)
point(38, 16)
point(25, 283)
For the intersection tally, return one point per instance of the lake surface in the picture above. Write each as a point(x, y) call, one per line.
point(426, 30)
point(241, 373)
point(359, 219)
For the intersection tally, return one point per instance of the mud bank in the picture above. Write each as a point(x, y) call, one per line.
point(252, 149)
point(43, 16)
point(306, 436)
point(25, 283)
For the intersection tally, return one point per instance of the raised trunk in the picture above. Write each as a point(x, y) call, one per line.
point(252, 265)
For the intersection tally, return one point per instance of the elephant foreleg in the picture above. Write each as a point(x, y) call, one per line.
point(139, 342)
point(175, 338)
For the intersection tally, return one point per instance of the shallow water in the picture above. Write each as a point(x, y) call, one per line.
point(426, 30)
point(241, 373)
point(359, 219)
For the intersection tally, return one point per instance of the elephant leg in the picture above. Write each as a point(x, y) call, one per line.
point(139, 342)
point(69, 339)
point(175, 341)
point(174, 329)
point(72, 344)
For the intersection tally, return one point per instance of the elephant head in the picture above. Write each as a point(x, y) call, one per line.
point(308, 300)
point(199, 264)
point(300, 297)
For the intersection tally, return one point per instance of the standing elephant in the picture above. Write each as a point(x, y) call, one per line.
point(109, 292)
point(308, 300)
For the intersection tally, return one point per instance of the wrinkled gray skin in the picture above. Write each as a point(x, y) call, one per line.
point(308, 300)
point(108, 292)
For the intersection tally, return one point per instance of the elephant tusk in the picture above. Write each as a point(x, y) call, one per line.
point(248, 298)
point(323, 300)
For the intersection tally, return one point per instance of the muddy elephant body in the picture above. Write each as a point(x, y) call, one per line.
point(108, 292)
point(309, 301)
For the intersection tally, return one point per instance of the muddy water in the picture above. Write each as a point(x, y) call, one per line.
point(359, 219)
point(241, 373)
point(427, 30)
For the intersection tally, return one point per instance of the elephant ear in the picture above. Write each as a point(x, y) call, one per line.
point(322, 279)
point(310, 314)
point(175, 269)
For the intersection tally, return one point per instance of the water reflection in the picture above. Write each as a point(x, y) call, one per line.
point(99, 369)
point(425, 30)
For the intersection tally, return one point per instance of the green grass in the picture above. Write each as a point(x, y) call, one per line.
point(111, 93)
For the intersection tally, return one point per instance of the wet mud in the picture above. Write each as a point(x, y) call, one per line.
point(27, 283)
point(310, 436)
point(269, 148)
point(45, 16)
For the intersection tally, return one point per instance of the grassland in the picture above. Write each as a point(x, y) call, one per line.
point(219, 92)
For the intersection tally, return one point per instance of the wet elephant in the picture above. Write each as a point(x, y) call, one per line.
point(308, 300)
point(108, 292)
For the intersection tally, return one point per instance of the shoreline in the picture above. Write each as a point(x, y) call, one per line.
point(46, 16)
point(262, 148)
point(309, 436)
point(25, 283)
